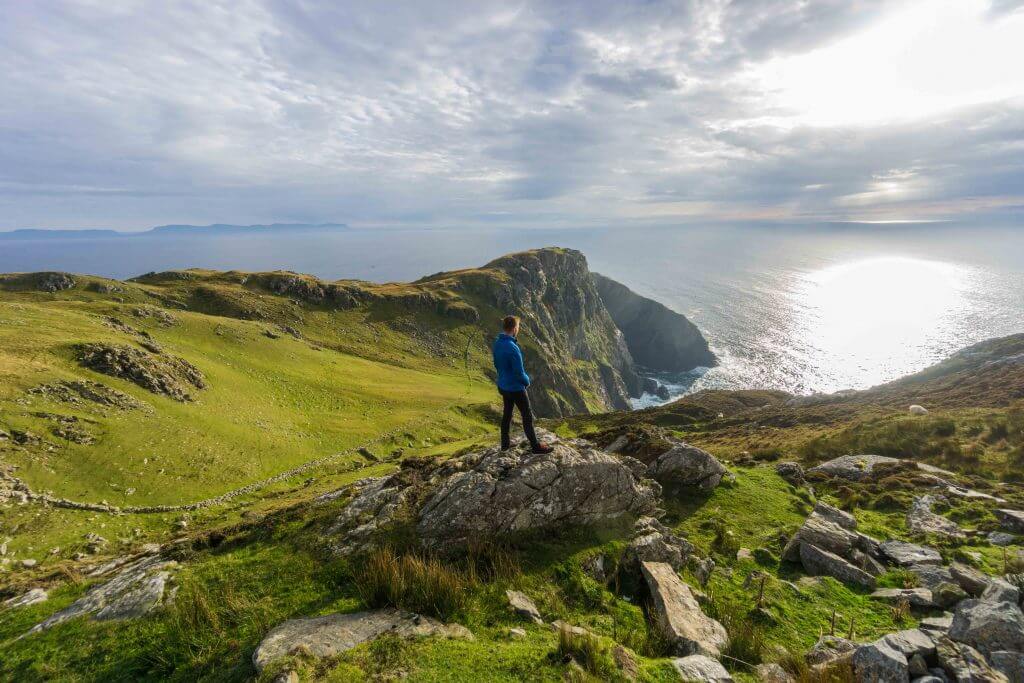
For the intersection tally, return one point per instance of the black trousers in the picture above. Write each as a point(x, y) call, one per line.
point(517, 399)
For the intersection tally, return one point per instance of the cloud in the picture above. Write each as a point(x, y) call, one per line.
point(128, 114)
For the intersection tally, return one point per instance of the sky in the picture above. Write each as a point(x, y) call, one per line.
point(128, 114)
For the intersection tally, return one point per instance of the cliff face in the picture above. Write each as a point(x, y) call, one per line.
point(576, 356)
point(658, 338)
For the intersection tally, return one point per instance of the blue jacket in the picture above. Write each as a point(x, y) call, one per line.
point(508, 361)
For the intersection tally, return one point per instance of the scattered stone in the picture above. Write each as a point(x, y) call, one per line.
point(1012, 520)
point(517, 633)
point(969, 578)
point(988, 626)
point(139, 588)
point(77, 391)
point(964, 664)
point(1001, 538)
point(165, 375)
point(830, 650)
point(523, 606)
point(792, 472)
point(744, 554)
point(30, 597)
point(921, 519)
point(333, 634)
point(940, 623)
point(822, 533)
point(912, 642)
point(678, 614)
point(772, 673)
point(818, 562)
point(853, 467)
point(29, 563)
point(687, 466)
point(654, 542)
point(908, 554)
point(879, 661)
point(701, 669)
point(1010, 664)
point(999, 590)
point(916, 597)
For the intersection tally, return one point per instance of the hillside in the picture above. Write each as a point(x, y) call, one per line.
point(383, 519)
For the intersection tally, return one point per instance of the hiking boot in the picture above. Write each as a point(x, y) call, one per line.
point(541, 448)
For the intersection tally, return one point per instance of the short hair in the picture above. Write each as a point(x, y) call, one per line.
point(509, 322)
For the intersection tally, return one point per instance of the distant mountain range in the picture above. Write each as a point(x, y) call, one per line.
point(216, 229)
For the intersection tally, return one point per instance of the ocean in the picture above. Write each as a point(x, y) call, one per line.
point(802, 309)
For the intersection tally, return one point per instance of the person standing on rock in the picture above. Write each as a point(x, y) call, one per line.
point(512, 384)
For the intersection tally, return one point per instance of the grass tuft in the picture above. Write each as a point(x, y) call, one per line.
point(418, 583)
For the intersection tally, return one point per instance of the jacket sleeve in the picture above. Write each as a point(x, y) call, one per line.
point(517, 365)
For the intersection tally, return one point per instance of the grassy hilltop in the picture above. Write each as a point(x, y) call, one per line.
point(236, 378)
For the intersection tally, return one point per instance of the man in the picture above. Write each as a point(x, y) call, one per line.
point(512, 383)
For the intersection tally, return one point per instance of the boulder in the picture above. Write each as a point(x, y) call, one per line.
point(878, 662)
point(822, 533)
point(679, 616)
point(701, 669)
point(687, 466)
point(969, 578)
point(654, 542)
point(792, 472)
point(1012, 520)
point(908, 554)
point(333, 634)
point(912, 642)
point(138, 588)
point(1001, 538)
point(818, 562)
point(495, 492)
point(964, 664)
point(523, 606)
point(1010, 664)
point(835, 515)
point(988, 626)
point(921, 519)
point(939, 624)
point(771, 672)
point(1000, 590)
point(946, 595)
point(830, 650)
point(853, 467)
point(917, 666)
point(916, 597)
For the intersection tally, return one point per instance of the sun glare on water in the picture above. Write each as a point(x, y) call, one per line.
point(870, 319)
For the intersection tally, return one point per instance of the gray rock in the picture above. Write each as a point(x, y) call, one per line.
point(999, 590)
point(912, 642)
point(946, 595)
point(835, 515)
point(687, 466)
point(701, 669)
point(917, 666)
point(678, 614)
point(908, 554)
point(921, 519)
point(938, 674)
point(939, 624)
point(969, 578)
point(30, 597)
point(773, 673)
point(374, 505)
point(1010, 664)
point(862, 560)
point(1012, 520)
point(654, 542)
point(853, 467)
point(964, 664)
point(1001, 538)
point(818, 562)
point(822, 533)
point(139, 588)
point(932, 576)
point(988, 626)
point(333, 634)
point(523, 606)
point(879, 662)
point(489, 494)
point(930, 678)
point(916, 597)
point(792, 472)
point(829, 650)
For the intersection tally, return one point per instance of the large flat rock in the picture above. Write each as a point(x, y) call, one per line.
point(988, 626)
point(333, 634)
point(678, 614)
point(701, 669)
point(818, 562)
point(908, 554)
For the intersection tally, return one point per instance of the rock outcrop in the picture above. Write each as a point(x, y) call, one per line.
point(658, 338)
point(686, 466)
point(829, 544)
point(494, 493)
point(161, 374)
point(921, 519)
point(333, 634)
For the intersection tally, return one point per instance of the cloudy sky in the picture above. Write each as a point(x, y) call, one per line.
point(446, 113)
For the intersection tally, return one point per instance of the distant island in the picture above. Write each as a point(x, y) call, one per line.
point(216, 229)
